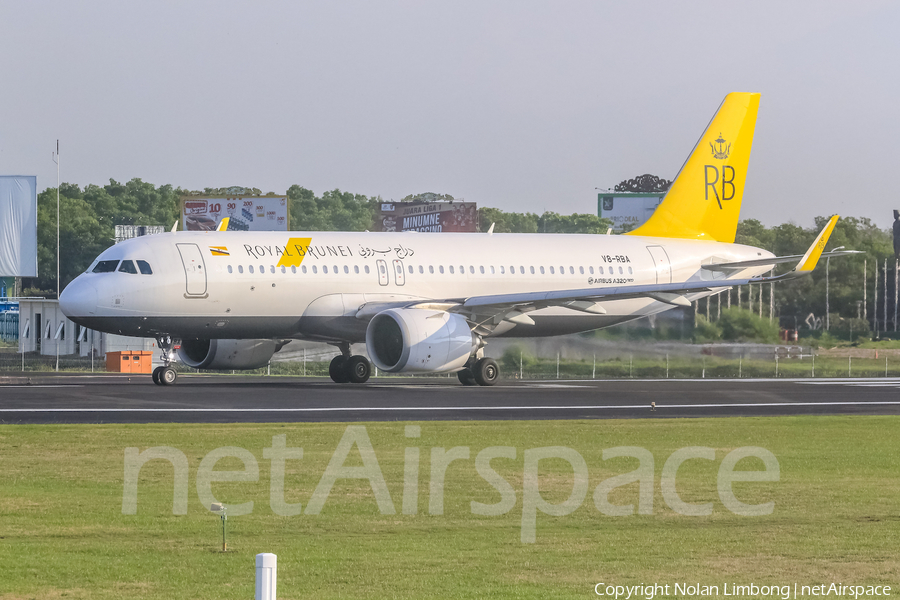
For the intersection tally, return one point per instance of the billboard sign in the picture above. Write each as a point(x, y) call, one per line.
point(246, 213)
point(18, 226)
point(626, 210)
point(428, 217)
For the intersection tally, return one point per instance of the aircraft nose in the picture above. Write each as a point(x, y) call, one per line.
point(79, 299)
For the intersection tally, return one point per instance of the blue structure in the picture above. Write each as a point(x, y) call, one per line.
point(9, 326)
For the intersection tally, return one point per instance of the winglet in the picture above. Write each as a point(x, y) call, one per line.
point(223, 224)
point(811, 258)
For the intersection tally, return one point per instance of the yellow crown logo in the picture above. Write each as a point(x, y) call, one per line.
point(720, 148)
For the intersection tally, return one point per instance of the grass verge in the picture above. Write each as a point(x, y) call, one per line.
point(63, 533)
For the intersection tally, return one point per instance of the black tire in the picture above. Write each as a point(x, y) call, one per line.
point(466, 377)
point(358, 369)
point(168, 376)
point(156, 375)
point(337, 370)
point(487, 371)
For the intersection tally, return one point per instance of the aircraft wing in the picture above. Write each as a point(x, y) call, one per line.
point(489, 311)
point(486, 312)
point(761, 262)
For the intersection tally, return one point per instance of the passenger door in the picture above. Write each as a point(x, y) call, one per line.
point(661, 263)
point(194, 270)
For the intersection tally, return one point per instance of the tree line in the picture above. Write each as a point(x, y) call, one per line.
point(88, 217)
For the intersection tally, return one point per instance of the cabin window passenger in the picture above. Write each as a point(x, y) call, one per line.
point(106, 266)
point(492, 269)
point(462, 270)
point(451, 269)
point(144, 267)
point(431, 269)
point(271, 268)
point(471, 269)
point(250, 268)
point(315, 270)
point(229, 269)
point(346, 269)
point(502, 270)
point(294, 270)
point(410, 269)
point(532, 270)
point(240, 268)
point(367, 269)
point(128, 267)
point(335, 269)
point(630, 271)
point(591, 270)
point(284, 269)
point(620, 270)
point(356, 269)
point(324, 268)
point(581, 270)
point(421, 270)
point(481, 268)
point(303, 268)
point(542, 270)
point(600, 270)
point(441, 269)
point(571, 270)
point(552, 272)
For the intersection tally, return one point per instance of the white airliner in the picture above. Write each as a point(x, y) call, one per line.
point(429, 302)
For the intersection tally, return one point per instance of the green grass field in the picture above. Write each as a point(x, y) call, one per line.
point(63, 533)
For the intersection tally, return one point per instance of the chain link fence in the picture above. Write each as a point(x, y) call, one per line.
point(515, 364)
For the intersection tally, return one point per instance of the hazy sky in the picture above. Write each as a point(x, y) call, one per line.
point(525, 106)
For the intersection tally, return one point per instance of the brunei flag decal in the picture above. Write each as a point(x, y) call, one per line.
point(219, 251)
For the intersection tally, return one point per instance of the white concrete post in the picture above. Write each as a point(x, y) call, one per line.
point(266, 572)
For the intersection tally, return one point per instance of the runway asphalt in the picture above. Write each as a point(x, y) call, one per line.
point(77, 398)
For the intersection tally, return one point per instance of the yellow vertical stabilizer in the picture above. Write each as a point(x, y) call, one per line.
point(704, 201)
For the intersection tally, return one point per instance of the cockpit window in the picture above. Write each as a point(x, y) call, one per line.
point(106, 266)
point(128, 267)
point(144, 266)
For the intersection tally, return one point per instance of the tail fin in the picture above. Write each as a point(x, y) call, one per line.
point(704, 201)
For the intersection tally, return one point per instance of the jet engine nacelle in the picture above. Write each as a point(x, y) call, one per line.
point(410, 339)
point(227, 354)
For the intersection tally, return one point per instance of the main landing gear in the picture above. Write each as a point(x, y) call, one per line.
point(349, 369)
point(166, 374)
point(484, 371)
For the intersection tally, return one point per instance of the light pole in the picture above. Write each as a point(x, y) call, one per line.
point(827, 291)
point(56, 160)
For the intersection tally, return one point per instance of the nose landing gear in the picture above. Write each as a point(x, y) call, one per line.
point(166, 374)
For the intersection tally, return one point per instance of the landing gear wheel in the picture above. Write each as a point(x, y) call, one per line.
point(168, 376)
point(338, 371)
point(466, 377)
point(486, 371)
point(156, 372)
point(358, 369)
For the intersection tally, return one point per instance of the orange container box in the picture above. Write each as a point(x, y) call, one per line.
point(129, 361)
